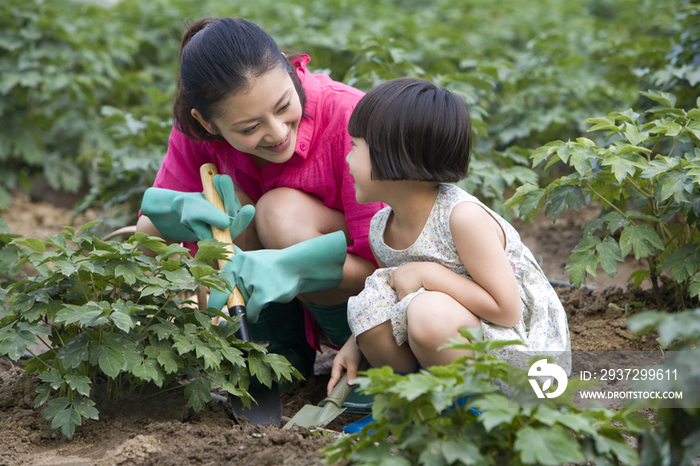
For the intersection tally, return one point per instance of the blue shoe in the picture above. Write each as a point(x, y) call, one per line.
point(358, 425)
point(462, 401)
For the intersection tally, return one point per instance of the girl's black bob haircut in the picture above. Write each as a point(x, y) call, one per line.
point(415, 130)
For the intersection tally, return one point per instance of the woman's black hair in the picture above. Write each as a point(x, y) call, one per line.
point(219, 57)
point(415, 130)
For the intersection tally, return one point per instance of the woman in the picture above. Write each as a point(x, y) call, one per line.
point(280, 133)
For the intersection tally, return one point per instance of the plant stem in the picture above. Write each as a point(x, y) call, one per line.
point(177, 387)
point(37, 357)
point(637, 187)
point(82, 286)
point(156, 314)
point(654, 279)
point(675, 140)
point(588, 185)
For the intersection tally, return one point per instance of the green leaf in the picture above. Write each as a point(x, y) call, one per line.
point(43, 391)
point(198, 393)
point(495, 410)
point(170, 361)
point(634, 137)
point(675, 184)
point(685, 263)
point(14, 341)
point(32, 243)
point(210, 250)
point(210, 356)
point(92, 318)
point(583, 260)
point(69, 314)
point(165, 330)
point(180, 278)
point(130, 271)
point(85, 407)
point(66, 419)
point(234, 356)
point(575, 422)
point(547, 446)
point(75, 351)
point(149, 371)
point(79, 383)
point(111, 360)
point(621, 166)
point(461, 452)
point(123, 321)
point(601, 123)
point(66, 266)
point(53, 378)
point(183, 344)
point(615, 221)
point(645, 322)
point(545, 151)
point(55, 406)
point(259, 369)
point(609, 254)
point(281, 366)
point(664, 98)
point(639, 276)
point(642, 239)
point(561, 197)
point(622, 451)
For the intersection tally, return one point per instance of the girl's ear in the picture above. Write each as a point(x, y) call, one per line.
point(208, 126)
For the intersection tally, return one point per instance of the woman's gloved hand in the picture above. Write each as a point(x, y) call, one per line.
point(189, 216)
point(278, 275)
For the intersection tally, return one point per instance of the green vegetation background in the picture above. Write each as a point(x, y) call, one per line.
point(86, 89)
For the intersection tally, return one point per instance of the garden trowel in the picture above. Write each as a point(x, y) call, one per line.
point(330, 408)
point(267, 409)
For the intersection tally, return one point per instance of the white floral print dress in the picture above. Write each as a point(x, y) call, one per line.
point(543, 327)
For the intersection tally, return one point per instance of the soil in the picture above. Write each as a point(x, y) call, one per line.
point(134, 432)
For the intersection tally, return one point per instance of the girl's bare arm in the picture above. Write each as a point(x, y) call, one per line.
point(493, 294)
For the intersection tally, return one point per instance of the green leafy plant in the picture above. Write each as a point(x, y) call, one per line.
point(645, 173)
point(428, 426)
point(9, 254)
point(107, 312)
point(676, 441)
point(70, 70)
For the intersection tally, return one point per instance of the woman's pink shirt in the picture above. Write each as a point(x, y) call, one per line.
point(317, 167)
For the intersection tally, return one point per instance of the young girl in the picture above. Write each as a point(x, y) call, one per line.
point(446, 260)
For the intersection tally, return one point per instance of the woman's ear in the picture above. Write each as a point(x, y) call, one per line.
point(208, 126)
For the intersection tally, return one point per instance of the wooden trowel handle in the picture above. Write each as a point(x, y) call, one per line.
point(207, 172)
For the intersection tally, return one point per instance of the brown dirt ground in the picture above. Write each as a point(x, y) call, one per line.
point(136, 434)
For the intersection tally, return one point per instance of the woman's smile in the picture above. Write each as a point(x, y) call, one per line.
point(281, 147)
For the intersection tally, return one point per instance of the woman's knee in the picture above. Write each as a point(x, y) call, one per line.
point(287, 216)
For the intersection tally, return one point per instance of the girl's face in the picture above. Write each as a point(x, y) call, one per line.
point(361, 169)
point(261, 120)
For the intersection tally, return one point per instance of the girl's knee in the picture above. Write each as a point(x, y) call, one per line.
point(286, 216)
point(434, 317)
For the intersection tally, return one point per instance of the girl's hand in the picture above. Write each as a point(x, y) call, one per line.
point(348, 359)
point(408, 278)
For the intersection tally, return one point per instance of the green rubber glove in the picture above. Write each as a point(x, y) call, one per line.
point(189, 216)
point(278, 275)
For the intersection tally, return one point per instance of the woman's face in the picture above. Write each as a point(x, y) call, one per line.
point(261, 120)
